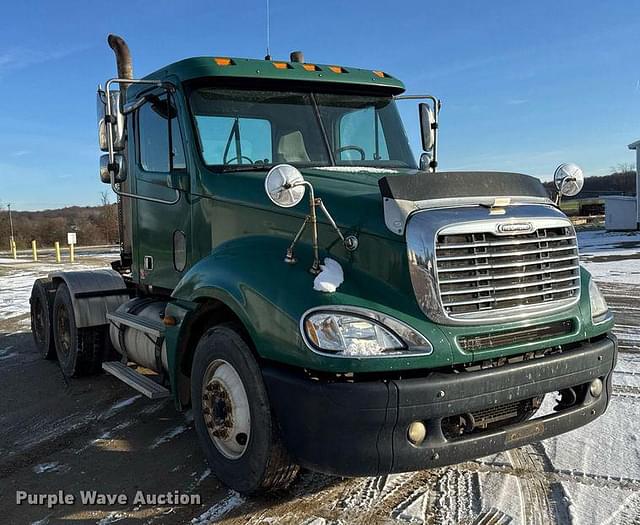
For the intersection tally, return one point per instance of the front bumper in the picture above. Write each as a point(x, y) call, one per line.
point(360, 428)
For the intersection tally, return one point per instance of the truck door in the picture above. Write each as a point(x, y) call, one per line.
point(161, 232)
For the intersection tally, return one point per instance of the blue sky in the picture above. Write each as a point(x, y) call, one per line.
point(525, 85)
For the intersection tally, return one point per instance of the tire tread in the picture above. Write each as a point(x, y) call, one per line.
point(279, 469)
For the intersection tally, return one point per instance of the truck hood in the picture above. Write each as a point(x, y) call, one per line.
point(379, 200)
point(352, 196)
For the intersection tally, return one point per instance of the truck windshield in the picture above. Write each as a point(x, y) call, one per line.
point(255, 129)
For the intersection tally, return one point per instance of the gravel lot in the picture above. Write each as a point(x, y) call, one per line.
point(98, 434)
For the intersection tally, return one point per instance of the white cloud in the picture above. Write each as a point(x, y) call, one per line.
point(19, 57)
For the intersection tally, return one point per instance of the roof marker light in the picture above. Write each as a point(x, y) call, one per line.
point(380, 74)
point(281, 65)
point(337, 69)
point(311, 67)
point(223, 61)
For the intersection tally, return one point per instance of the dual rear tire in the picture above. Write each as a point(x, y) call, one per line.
point(79, 351)
point(41, 304)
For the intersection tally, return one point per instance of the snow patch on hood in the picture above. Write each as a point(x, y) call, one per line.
point(355, 169)
point(330, 278)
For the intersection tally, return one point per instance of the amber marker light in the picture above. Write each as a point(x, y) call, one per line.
point(169, 320)
point(337, 69)
point(311, 332)
point(280, 65)
point(222, 61)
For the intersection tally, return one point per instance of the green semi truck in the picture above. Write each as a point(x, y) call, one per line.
point(317, 297)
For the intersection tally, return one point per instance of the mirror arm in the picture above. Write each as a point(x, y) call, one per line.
point(112, 166)
point(291, 178)
point(290, 257)
point(568, 178)
point(330, 219)
point(350, 243)
point(437, 105)
point(311, 218)
point(315, 267)
point(133, 106)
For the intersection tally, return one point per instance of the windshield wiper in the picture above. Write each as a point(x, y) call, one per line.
point(246, 167)
point(325, 137)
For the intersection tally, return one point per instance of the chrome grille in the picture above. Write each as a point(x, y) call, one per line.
point(483, 271)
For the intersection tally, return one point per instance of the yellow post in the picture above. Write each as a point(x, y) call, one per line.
point(34, 248)
point(71, 255)
point(13, 249)
point(58, 258)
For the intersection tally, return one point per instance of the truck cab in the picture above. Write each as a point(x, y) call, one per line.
point(318, 297)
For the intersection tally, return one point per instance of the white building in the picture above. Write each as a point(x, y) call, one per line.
point(620, 212)
point(636, 146)
point(623, 212)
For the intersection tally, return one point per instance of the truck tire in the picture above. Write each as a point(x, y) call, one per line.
point(79, 350)
point(41, 325)
point(232, 416)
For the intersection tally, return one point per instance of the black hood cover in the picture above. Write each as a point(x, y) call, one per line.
point(460, 184)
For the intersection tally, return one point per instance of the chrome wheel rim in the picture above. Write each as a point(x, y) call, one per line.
point(225, 409)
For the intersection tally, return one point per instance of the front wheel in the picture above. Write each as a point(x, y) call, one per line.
point(232, 416)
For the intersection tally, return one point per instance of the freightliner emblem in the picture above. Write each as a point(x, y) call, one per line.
point(515, 227)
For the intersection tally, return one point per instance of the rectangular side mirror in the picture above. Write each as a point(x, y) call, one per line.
point(118, 128)
point(121, 169)
point(427, 126)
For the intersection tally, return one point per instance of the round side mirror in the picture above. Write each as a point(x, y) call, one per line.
point(568, 179)
point(284, 185)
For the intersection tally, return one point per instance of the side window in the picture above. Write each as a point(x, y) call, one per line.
point(233, 140)
point(154, 140)
point(363, 130)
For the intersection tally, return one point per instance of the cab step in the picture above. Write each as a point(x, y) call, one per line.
point(153, 328)
point(136, 380)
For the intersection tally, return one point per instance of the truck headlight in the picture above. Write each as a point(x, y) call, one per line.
point(599, 308)
point(358, 332)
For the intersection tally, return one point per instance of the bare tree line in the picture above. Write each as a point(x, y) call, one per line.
point(92, 225)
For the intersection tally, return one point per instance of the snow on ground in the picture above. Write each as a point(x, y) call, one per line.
point(624, 271)
point(231, 501)
point(611, 257)
point(16, 281)
point(599, 240)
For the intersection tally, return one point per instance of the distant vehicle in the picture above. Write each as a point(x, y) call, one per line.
point(404, 319)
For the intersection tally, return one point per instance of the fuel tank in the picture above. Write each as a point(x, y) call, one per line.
point(143, 344)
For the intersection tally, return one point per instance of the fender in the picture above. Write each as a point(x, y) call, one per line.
point(94, 294)
point(269, 296)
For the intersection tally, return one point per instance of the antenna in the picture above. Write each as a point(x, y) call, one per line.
point(268, 55)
